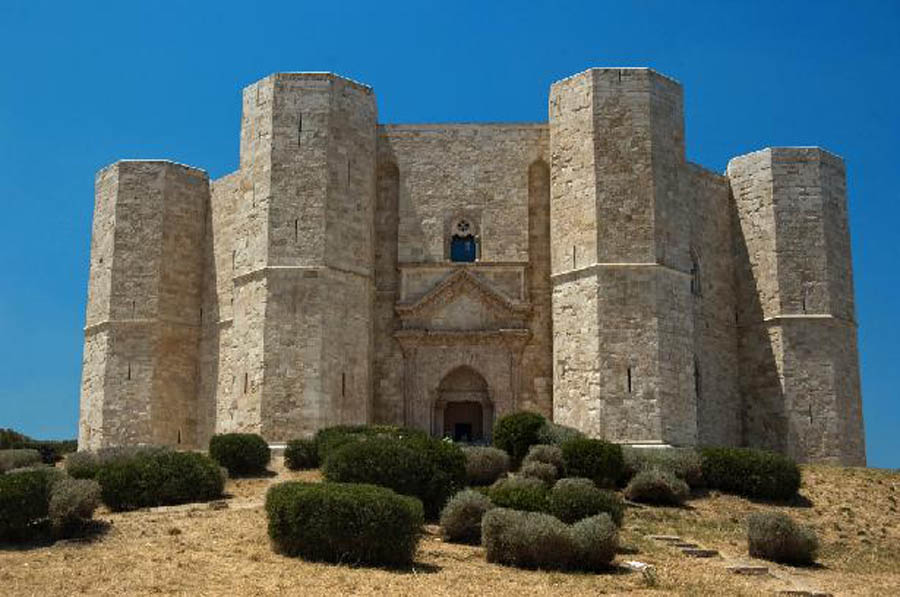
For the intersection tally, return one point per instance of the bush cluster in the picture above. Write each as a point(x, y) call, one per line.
point(484, 465)
point(30, 499)
point(574, 499)
point(594, 459)
point(537, 540)
point(519, 493)
point(301, 454)
point(542, 471)
point(429, 469)
point(86, 465)
point(461, 517)
point(684, 463)
point(18, 458)
point(775, 536)
point(336, 522)
point(516, 433)
point(240, 453)
point(159, 478)
point(750, 473)
point(50, 451)
point(657, 486)
point(330, 439)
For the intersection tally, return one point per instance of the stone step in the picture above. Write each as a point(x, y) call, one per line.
point(802, 593)
point(695, 552)
point(684, 544)
point(665, 538)
point(748, 569)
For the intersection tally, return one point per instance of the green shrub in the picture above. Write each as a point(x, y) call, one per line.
point(656, 486)
point(484, 465)
point(240, 453)
point(301, 454)
point(429, 469)
point(332, 438)
point(85, 465)
point(159, 478)
point(545, 473)
point(574, 499)
point(684, 463)
point(775, 536)
point(336, 522)
point(526, 539)
point(24, 501)
point(547, 454)
point(596, 539)
point(751, 473)
point(556, 435)
point(18, 458)
point(594, 459)
point(461, 517)
point(536, 540)
point(72, 505)
point(516, 433)
point(520, 493)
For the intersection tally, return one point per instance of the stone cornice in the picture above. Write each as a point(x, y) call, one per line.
point(515, 338)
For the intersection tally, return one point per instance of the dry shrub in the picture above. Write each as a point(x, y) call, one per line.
point(547, 454)
point(484, 465)
point(655, 486)
point(461, 517)
point(544, 472)
point(72, 505)
point(775, 536)
point(536, 540)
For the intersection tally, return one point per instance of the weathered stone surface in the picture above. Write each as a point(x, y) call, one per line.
point(616, 287)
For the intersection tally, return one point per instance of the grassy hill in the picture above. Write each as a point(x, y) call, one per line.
point(202, 550)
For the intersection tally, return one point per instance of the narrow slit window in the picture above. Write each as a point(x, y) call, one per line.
point(697, 380)
point(695, 275)
point(629, 379)
point(179, 436)
point(129, 370)
point(246, 382)
point(803, 298)
point(573, 256)
point(299, 129)
point(343, 384)
point(296, 230)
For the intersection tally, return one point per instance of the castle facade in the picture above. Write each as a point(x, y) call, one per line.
point(442, 275)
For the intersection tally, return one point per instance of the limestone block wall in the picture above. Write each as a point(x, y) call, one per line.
point(714, 307)
point(140, 376)
point(796, 317)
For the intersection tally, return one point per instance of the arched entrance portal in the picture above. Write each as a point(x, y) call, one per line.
point(463, 409)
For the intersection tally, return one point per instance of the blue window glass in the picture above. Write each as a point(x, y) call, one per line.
point(463, 248)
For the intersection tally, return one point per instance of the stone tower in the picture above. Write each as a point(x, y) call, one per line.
point(140, 375)
point(297, 223)
point(800, 373)
point(442, 275)
point(620, 235)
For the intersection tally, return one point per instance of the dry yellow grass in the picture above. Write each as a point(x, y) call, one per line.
point(198, 551)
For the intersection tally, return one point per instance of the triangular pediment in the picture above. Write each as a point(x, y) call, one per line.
point(462, 301)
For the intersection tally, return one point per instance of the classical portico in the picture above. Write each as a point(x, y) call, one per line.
point(462, 344)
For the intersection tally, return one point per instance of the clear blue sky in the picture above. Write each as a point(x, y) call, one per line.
point(85, 83)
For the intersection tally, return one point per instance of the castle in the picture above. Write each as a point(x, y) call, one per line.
point(442, 275)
